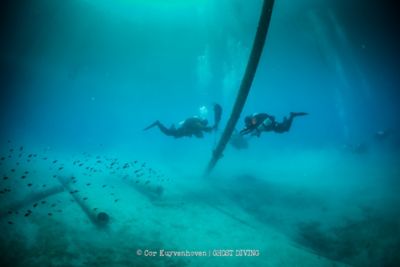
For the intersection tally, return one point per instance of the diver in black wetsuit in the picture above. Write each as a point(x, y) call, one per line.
point(193, 126)
point(262, 122)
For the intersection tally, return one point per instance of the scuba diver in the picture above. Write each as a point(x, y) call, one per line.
point(193, 126)
point(262, 122)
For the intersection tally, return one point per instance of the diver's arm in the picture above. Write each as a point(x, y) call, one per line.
point(246, 131)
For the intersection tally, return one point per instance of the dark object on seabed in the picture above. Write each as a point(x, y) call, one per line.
point(151, 191)
point(98, 218)
point(382, 135)
point(360, 148)
point(36, 197)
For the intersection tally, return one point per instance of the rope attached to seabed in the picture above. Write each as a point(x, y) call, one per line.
point(247, 80)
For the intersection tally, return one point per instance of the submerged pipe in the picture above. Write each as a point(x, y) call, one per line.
point(245, 85)
point(152, 192)
point(98, 218)
point(35, 197)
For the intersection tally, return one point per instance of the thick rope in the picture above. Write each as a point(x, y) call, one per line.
point(247, 80)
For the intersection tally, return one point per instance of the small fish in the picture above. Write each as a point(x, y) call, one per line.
point(88, 184)
point(147, 182)
point(23, 177)
point(45, 158)
point(27, 214)
point(5, 178)
point(54, 176)
point(12, 170)
point(54, 161)
point(21, 148)
point(53, 205)
point(3, 158)
point(85, 198)
point(60, 168)
point(104, 185)
point(80, 165)
point(26, 172)
point(44, 185)
point(94, 209)
point(29, 185)
point(116, 200)
point(43, 202)
point(59, 210)
point(35, 205)
point(30, 156)
point(50, 214)
point(11, 150)
point(9, 212)
point(10, 222)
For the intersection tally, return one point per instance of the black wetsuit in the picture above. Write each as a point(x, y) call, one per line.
point(193, 126)
point(263, 122)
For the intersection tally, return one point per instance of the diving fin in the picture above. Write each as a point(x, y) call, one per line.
point(151, 125)
point(294, 114)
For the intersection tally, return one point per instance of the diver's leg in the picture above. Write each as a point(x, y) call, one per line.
point(151, 125)
point(167, 131)
point(287, 123)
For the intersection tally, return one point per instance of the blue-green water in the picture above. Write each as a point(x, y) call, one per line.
point(80, 79)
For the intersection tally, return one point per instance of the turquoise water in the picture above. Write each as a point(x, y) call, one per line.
point(81, 184)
